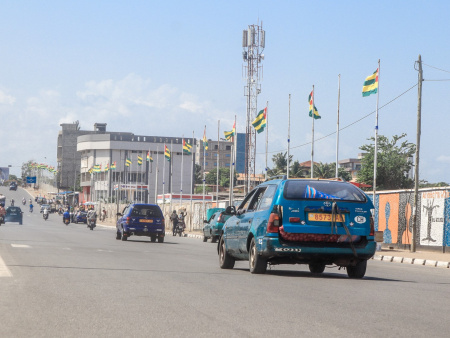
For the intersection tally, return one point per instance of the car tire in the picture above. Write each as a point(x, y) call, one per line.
point(153, 238)
point(357, 271)
point(160, 239)
point(257, 263)
point(76, 221)
point(316, 268)
point(124, 238)
point(118, 235)
point(225, 259)
point(205, 238)
point(213, 239)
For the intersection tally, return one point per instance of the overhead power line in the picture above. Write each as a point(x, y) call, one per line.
point(349, 125)
point(442, 70)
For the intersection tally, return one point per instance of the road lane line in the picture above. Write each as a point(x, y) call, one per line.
point(4, 271)
point(20, 246)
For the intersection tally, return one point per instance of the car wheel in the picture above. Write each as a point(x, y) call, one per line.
point(316, 267)
point(205, 238)
point(153, 238)
point(124, 238)
point(118, 235)
point(357, 271)
point(213, 239)
point(160, 239)
point(256, 262)
point(225, 260)
point(76, 221)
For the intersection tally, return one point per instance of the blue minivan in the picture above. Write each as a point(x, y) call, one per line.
point(300, 221)
point(141, 220)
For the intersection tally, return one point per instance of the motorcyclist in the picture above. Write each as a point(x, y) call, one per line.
point(2, 212)
point(24, 200)
point(31, 207)
point(66, 215)
point(12, 202)
point(45, 213)
point(174, 219)
point(91, 215)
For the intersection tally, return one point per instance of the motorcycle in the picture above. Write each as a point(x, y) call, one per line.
point(179, 228)
point(66, 221)
point(2, 220)
point(91, 223)
point(24, 201)
point(45, 216)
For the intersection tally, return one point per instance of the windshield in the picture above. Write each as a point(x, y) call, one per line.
point(306, 189)
point(146, 211)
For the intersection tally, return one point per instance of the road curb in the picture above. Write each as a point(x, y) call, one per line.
point(415, 261)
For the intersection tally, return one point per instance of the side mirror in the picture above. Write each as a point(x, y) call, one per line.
point(119, 214)
point(231, 210)
point(205, 221)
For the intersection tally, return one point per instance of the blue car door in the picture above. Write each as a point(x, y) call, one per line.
point(243, 228)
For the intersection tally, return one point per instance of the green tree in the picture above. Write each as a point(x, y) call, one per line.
point(393, 163)
point(297, 171)
point(324, 170)
point(280, 163)
point(198, 176)
point(224, 177)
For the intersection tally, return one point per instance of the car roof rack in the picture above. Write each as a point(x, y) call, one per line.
point(282, 177)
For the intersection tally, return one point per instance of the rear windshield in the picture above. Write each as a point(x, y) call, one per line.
point(13, 210)
point(322, 190)
point(146, 211)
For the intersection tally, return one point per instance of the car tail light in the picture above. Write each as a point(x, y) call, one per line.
point(220, 219)
point(274, 221)
point(128, 220)
point(372, 226)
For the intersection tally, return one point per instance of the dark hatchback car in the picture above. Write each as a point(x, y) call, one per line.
point(13, 214)
point(13, 186)
point(141, 220)
point(301, 221)
point(213, 227)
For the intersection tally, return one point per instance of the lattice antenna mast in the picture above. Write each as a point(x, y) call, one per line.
point(253, 43)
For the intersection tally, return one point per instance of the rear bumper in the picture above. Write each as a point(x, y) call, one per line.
point(155, 230)
point(278, 251)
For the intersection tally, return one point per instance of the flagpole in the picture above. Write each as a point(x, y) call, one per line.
point(376, 139)
point(312, 139)
point(337, 128)
point(267, 135)
point(156, 174)
point(182, 164)
point(217, 163)
point(164, 181)
point(148, 178)
point(204, 164)
point(192, 177)
point(289, 137)
point(234, 158)
point(170, 174)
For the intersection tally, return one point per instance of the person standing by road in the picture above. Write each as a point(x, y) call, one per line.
point(174, 219)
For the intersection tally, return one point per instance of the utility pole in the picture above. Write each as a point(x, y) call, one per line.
point(416, 168)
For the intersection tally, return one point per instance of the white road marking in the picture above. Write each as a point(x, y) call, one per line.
point(20, 246)
point(4, 271)
point(101, 250)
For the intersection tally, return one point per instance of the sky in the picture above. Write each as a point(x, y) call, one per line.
point(170, 68)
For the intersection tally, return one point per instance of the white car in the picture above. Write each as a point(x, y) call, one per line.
point(45, 206)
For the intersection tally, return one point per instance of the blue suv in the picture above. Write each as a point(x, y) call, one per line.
point(141, 220)
point(300, 221)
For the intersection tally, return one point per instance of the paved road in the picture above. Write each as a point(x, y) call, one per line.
point(68, 281)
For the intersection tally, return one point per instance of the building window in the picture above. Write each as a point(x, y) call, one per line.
point(227, 164)
point(227, 155)
point(216, 147)
point(206, 154)
point(215, 164)
point(228, 148)
point(206, 163)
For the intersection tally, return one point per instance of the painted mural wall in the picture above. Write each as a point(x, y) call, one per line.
point(393, 216)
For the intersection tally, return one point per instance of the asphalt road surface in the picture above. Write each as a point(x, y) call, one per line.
point(68, 281)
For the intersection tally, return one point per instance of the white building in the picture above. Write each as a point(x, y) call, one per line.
point(136, 182)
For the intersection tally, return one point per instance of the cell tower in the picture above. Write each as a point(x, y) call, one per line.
point(253, 43)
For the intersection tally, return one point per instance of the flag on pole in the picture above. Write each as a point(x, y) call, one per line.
point(107, 167)
point(97, 168)
point(166, 153)
point(139, 160)
point(128, 162)
point(316, 113)
point(91, 170)
point(149, 158)
point(230, 134)
point(113, 165)
point(371, 84)
point(187, 147)
point(259, 123)
point(205, 140)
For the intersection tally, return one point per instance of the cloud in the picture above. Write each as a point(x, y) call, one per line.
point(6, 99)
point(443, 159)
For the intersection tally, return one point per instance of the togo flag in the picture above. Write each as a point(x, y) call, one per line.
point(259, 123)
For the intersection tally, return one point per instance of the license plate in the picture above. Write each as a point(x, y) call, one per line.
point(146, 221)
point(317, 217)
point(145, 229)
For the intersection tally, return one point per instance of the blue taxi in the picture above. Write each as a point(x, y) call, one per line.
point(300, 221)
